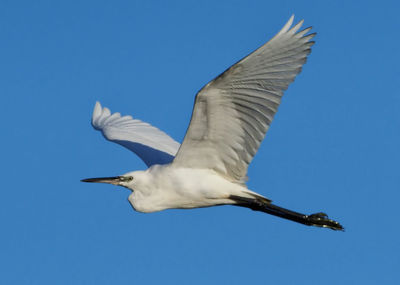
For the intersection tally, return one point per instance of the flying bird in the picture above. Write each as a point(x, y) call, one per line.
point(230, 118)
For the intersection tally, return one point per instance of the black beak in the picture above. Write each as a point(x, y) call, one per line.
point(110, 180)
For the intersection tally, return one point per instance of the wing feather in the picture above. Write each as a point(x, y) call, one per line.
point(149, 143)
point(233, 112)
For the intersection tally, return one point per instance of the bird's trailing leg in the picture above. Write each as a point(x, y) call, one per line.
point(317, 219)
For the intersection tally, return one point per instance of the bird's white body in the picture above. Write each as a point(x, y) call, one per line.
point(163, 187)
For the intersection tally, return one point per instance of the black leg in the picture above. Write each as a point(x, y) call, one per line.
point(318, 219)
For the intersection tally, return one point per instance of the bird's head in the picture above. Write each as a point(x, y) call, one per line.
point(126, 180)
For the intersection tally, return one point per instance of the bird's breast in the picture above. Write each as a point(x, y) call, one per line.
point(184, 188)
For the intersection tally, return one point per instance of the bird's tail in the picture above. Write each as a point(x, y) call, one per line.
point(317, 219)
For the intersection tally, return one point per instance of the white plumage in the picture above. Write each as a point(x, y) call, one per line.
point(149, 143)
point(230, 118)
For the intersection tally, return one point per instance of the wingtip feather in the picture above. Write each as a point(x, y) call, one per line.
point(286, 26)
point(106, 112)
point(97, 110)
point(96, 114)
point(296, 27)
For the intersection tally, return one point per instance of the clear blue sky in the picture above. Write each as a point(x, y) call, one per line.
point(333, 146)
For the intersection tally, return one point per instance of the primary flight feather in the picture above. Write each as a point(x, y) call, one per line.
point(230, 118)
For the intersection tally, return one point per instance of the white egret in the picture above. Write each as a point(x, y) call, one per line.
point(230, 118)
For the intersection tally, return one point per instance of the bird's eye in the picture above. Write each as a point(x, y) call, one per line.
point(126, 178)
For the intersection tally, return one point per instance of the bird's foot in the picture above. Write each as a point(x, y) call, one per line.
point(321, 220)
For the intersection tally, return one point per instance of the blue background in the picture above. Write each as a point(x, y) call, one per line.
point(333, 146)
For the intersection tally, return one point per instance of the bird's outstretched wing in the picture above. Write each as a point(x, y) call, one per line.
point(233, 112)
point(149, 143)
